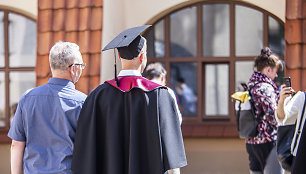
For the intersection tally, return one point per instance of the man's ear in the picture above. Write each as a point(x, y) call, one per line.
point(163, 79)
point(71, 70)
point(141, 57)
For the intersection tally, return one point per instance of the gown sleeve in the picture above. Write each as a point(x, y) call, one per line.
point(171, 135)
point(84, 153)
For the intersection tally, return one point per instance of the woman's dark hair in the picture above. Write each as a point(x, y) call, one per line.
point(267, 58)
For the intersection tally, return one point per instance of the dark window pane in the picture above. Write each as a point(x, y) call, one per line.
point(216, 89)
point(159, 43)
point(243, 72)
point(183, 33)
point(216, 30)
point(22, 41)
point(184, 83)
point(149, 35)
point(1, 39)
point(276, 37)
point(249, 31)
point(156, 40)
point(2, 101)
point(20, 82)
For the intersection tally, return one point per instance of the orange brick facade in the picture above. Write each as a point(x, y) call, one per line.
point(78, 21)
point(295, 37)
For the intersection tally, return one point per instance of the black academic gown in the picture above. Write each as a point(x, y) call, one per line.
point(133, 129)
point(299, 164)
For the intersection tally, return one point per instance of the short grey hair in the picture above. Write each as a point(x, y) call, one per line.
point(63, 54)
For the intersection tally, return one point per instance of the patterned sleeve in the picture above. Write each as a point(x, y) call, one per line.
point(265, 99)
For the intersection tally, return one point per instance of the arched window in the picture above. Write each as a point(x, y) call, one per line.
point(208, 49)
point(17, 62)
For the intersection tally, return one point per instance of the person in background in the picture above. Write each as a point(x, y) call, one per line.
point(44, 125)
point(157, 73)
point(261, 148)
point(289, 112)
point(186, 97)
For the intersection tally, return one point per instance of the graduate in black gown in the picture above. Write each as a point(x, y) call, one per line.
point(299, 164)
point(291, 111)
point(128, 125)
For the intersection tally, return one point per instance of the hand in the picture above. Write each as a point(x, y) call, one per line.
point(285, 92)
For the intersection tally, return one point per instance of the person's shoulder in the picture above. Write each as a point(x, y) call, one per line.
point(299, 96)
point(80, 95)
point(262, 89)
point(266, 89)
point(39, 90)
point(266, 86)
point(165, 92)
point(171, 92)
point(30, 93)
point(102, 87)
point(34, 91)
point(263, 86)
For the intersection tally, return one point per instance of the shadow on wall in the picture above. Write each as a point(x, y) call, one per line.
point(5, 159)
point(215, 156)
point(204, 155)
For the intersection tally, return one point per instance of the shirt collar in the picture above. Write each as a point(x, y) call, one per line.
point(62, 82)
point(129, 73)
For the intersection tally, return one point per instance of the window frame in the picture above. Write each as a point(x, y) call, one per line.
point(7, 69)
point(201, 125)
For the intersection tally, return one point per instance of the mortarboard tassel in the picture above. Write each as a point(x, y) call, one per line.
point(116, 78)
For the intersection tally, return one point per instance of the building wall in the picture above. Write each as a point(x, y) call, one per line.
point(5, 159)
point(26, 7)
point(295, 36)
point(215, 156)
point(205, 155)
point(140, 12)
point(79, 22)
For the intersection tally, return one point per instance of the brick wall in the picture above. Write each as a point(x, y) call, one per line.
point(295, 36)
point(78, 21)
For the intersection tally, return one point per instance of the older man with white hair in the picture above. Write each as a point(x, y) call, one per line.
point(44, 125)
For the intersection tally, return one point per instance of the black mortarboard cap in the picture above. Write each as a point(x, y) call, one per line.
point(129, 42)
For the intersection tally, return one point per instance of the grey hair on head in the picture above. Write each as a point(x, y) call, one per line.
point(63, 54)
